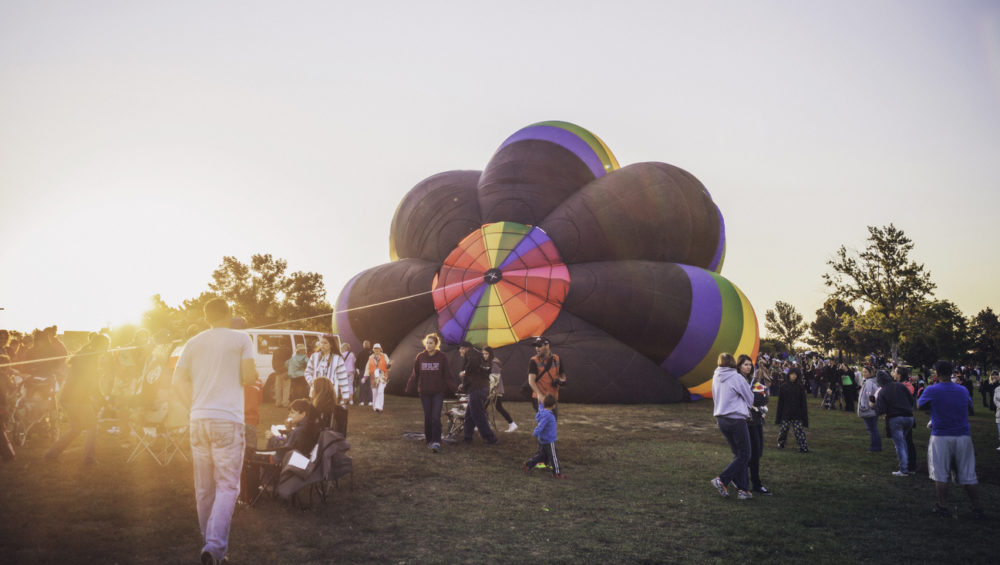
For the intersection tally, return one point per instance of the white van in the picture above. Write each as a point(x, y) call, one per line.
point(266, 342)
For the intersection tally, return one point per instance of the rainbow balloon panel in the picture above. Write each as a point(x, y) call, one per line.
point(503, 283)
point(584, 144)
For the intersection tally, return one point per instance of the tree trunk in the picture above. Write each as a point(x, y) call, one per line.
point(895, 351)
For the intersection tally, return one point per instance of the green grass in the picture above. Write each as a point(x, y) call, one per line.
point(637, 492)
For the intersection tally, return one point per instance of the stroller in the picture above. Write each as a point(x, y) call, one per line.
point(35, 409)
point(455, 410)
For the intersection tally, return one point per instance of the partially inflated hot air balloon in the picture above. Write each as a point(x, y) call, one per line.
point(617, 266)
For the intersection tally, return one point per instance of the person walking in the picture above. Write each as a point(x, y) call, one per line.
point(210, 375)
point(430, 379)
point(79, 395)
point(755, 424)
point(733, 399)
point(489, 356)
point(546, 373)
point(377, 374)
point(475, 376)
point(793, 410)
point(896, 402)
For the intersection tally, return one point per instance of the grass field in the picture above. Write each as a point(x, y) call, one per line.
point(637, 492)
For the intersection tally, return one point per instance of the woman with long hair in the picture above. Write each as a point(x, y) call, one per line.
point(79, 395)
point(733, 399)
point(490, 359)
point(430, 378)
point(326, 362)
point(324, 400)
point(755, 424)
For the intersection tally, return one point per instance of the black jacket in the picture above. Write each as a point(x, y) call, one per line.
point(792, 403)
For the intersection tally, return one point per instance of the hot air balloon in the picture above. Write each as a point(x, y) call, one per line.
point(617, 266)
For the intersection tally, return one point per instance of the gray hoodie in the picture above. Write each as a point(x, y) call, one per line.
point(732, 395)
point(865, 408)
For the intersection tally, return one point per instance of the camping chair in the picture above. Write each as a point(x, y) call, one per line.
point(161, 431)
point(322, 472)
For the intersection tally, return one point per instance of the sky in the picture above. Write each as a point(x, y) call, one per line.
point(143, 141)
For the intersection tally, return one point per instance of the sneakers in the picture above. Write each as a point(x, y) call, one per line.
point(435, 447)
point(941, 511)
point(512, 427)
point(208, 559)
point(743, 495)
point(900, 474)
point(723, 491)
point(763, 490)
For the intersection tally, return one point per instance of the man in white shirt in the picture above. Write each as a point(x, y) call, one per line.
point(210, 375)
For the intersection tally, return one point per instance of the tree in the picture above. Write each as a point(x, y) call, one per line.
point(984, 328)
point(786, 324)
point(831, 329)
point(938, 330)
point(264, 295)
point(884, 278)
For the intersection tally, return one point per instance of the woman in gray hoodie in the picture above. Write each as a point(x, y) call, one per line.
point(733, 399)
point(866, 408)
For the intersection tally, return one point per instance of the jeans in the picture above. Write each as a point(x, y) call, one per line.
point(898, 427)
point(432, 416)
point(217, 453)
point(475, 416)
point(756, 450)
point(738, 436)
point(871, 423)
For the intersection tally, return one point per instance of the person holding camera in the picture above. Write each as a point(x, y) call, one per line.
point(546, 374)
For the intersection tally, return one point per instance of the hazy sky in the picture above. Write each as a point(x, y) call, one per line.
point(140, 142)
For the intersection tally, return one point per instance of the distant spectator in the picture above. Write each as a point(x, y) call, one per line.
point(793, 410)
point(279, 364)
point(866, 409)
point(896, 402)
point(377, 374)
point(950, 449)
point(351, 364)
point(79, 396)
point(296, 364)
point(364, 393)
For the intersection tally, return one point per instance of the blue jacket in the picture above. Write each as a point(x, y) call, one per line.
point(545, 431)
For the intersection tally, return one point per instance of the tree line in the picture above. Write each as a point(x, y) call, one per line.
point(881, 301)
point(262, 292)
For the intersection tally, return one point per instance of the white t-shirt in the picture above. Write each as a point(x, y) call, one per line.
point(213, 359)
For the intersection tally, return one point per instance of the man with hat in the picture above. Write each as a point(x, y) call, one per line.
point(545, 374)
point(476, 382)
point(377, 373)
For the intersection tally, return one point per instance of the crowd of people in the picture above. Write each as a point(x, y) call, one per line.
point(218, 383)
point(881, 391)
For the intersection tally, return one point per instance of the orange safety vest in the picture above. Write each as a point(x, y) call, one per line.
point(382, 363)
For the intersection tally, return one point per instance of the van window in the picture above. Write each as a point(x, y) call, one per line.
point(267, 344)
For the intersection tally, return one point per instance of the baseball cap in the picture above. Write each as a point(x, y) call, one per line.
point(541, 340)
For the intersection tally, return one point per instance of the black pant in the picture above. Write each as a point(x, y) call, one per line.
point(340, 420)
point(502, 411)
point(756, 450)
point(911, 451)
point(546, 453)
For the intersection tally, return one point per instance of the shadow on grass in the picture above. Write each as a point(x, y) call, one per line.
point(637, 492)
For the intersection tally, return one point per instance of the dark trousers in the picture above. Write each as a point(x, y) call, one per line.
point(911, 451)
point(850, 395)
point(340, 419)
point(756, 450)
point(432, 416)
point(475, 416)
point(738, 436)
point(366, 392)
point(503, 412)
point(546, 453)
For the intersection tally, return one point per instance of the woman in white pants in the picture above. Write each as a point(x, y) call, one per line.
point(377, 372)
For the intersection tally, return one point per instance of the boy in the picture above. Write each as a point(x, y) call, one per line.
point(545, 431)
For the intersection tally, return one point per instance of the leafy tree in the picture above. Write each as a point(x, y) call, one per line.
point(772, 346)
point(938, 330)
point(264, 295)
point(985, 338)
point(884, 278)
point(785, 323)
point(831, 329)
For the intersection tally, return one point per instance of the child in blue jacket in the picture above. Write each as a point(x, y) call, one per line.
point(545, 431)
